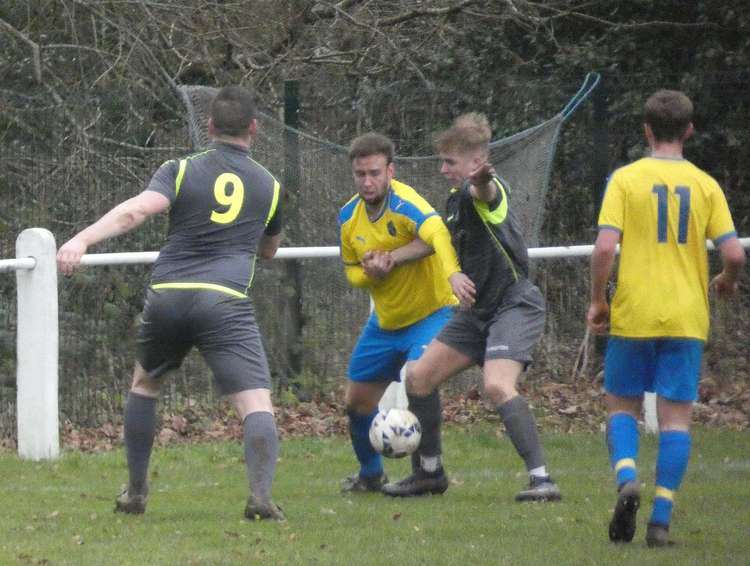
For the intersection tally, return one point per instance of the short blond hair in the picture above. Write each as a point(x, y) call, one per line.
point(469, 132)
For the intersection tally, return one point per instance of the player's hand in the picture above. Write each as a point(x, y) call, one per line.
point(598, 317)
point(463, 288)
point(482, 175)
point(724, 286)
point(69, 255)
point(377, 264)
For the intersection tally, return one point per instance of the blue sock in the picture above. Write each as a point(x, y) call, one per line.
point(622, 442)
point(671, 464)
point(370, 462)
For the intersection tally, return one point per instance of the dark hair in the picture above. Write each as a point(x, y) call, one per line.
point(369, 144)
point(232, 110)
point(668, 113)
point(469, 132)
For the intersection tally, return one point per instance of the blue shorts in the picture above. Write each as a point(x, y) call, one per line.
point(670, 367)
point(380, 354)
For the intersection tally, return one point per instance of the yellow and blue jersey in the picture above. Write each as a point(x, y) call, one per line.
point(412, 290)
point(664, 209)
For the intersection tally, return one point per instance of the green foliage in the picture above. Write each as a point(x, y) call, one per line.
point(61, 513)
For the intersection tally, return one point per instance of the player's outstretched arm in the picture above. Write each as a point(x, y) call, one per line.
point(123, 218)
point(482, 187)
point(733, 259)
point(602, 262)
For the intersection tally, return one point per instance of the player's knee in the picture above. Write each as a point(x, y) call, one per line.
point(500, 392)
point(359, 402)
point(361, 406)
point(145, 386)
point(418, 383)
point(143, 383)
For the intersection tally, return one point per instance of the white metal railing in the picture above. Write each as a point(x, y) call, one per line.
point(38, 335)
point(17, 264)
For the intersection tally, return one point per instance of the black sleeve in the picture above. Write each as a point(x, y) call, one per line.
point(163, 181)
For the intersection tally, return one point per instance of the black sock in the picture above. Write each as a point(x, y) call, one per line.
point(521, 427)
point(139, 429)
point(430, 414)
point(261, 452)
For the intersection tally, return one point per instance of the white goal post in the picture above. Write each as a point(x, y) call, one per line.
point(38, 335)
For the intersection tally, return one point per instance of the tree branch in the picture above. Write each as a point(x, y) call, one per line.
point(35, 56)
point(626, 25)
point(419, 13)
point(149, 53)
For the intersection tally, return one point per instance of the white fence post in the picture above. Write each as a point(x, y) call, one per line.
point(37, 347)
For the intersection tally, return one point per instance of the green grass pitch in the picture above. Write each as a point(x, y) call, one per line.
point(61, 512)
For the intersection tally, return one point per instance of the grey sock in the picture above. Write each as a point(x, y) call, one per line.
point(261, 452)
point(139, 429)
point(430, 414)
point(521, 427)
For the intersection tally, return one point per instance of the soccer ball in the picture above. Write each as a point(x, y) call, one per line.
point(395, 433)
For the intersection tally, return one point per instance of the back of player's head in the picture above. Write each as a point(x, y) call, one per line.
point(369, 144)
point(469, 133)
point(668, 113)
point(232, 110)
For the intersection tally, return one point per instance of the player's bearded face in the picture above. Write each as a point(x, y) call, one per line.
point(372, 176)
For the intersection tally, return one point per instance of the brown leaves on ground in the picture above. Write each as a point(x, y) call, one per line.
point(559, 407)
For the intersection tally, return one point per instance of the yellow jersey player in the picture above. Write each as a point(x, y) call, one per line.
point(411, 290)
point(661, 209)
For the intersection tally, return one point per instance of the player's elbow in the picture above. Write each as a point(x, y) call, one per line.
point(358, 282)
point(356, 277)
point(604, 251)
point(267, 252)
point(129, 219)
point(732, 253)
point(269, 245)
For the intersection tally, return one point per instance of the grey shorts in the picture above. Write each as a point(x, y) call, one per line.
point(511, 333)
point(222, 327)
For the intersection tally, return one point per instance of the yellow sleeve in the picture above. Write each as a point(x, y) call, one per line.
point(720, 224)
point(434, 232)
point(355, 274)
point(612, 213)
point(357, 277)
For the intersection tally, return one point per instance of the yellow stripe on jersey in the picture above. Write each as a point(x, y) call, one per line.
point(664, 493)
point(498, 215)
point(183, 167)
point(665, 210)
point(413, 290)
point(204, 286)
point(180, 176)
point(274, 201)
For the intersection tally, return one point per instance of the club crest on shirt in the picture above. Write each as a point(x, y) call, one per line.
point(391, 228)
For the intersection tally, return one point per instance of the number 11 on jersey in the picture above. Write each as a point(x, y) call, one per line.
point(662, 194)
